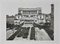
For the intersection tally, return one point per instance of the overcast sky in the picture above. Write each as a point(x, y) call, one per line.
point(10, 7)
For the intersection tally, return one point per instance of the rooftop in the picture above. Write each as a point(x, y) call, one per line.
point(29, 8)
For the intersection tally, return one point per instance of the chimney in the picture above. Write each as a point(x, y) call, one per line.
point(52, 16)
point(52, 9)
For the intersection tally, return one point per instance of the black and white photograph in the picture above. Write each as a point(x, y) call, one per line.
point(30, 24)
point(28, 20)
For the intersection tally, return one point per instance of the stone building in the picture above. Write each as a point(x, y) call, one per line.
point(32, 15)
point(10, 19)
point(29, 16)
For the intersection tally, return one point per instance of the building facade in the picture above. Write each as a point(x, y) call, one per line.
point(32, 15)
point(29, 16)
point(10, 19)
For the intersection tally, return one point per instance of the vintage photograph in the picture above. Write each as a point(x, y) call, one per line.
point(31, 23)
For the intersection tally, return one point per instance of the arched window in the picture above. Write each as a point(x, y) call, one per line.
point(16, 17)
point(41, 17)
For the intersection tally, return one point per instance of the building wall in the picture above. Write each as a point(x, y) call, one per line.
point(10, 19)
point(35, 15)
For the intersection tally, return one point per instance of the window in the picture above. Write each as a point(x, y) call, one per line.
point(26, 16)
point(32, 16)
point(25, 12)
point(42, 17)
point(16, 17)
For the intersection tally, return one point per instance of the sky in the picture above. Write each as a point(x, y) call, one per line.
point(10, 7)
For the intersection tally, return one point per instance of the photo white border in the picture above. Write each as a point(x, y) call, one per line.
point(56, 29)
